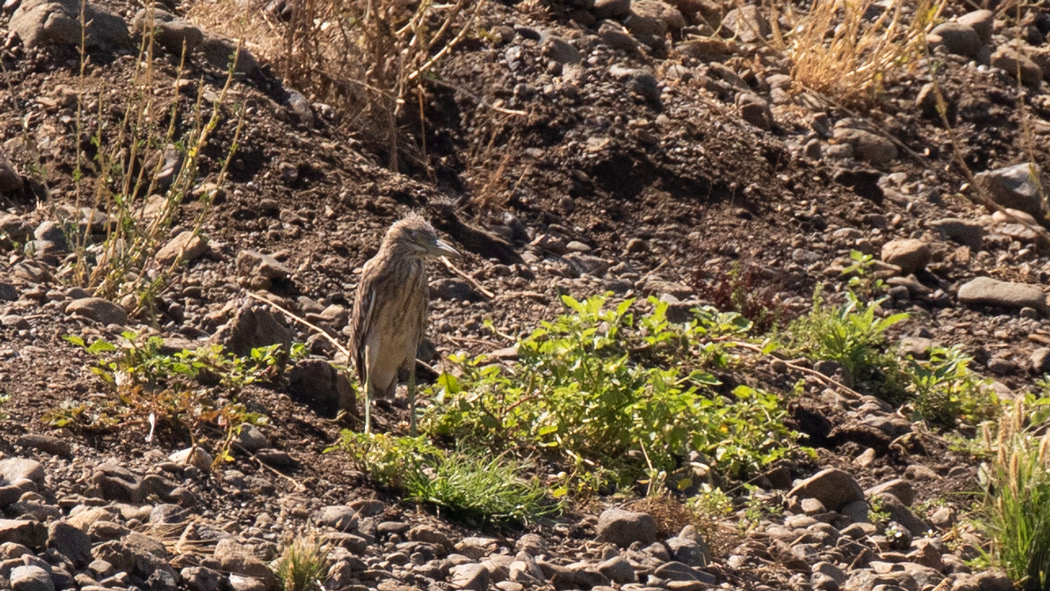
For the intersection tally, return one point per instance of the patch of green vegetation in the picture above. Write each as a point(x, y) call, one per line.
point(188, 391)
point(853, 335)
point(615, 397)
point(945, 390)
point(467, 484)
point(1016, 506)
point(303, 563)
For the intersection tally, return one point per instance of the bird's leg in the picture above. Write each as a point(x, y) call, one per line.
point(368, 387)
point(368, 402)
point(412, 399)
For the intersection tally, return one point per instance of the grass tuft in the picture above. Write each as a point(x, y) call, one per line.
point(303, 564)
point(1017, 501)
point(847, 49)
point(473, 485)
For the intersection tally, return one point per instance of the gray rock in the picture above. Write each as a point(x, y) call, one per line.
point(254, 326)
point(8, 293)
point(471, 576)
point(755, 110)
point(251, 263)
point(251, 438)
point(653, 17)
point(219, 51)
point(982, 21)
point(31, 534)
point(15, 469)
point(1017, 65)
point(623, 528)
point(46, 443)
point(99, 310)
point(832, 487)
point(10, 180)
point(747, 23)
point(170, 31)
point(185, 247)
point(903, 515)
point(425, 533)
point(199, 578)
point(611, 8)
point(9, 495)
point(992, 292)
point(52, 232)
point(1040, 361)
point(167, 513)
point(338, 517)
point(618, 570)
point(559, 49)
point(56, 22)
point(1016, 187)
point(15, 228)
point(370, 508)
point(869, 147)
point(909, 254)
point(236, 559)
point(961, 231)
point(71, 542)
point(959, 38)
point(116, 483)
point(898, 487)
point(689, 551)
point(993, 580)
point(453, 290)
point(322, 387)
point(31, 578)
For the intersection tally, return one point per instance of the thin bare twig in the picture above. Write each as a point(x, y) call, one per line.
point(304, 322)
point(473, 282)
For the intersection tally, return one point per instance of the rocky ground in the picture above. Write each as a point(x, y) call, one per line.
point(576, 147)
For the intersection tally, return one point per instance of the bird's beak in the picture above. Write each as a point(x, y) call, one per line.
point(441, 248)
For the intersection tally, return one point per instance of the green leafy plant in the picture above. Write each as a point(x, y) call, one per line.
point(616, 397)
point(1016, 506)
point(186, 391)
point(877, 511)
point(853, 335)
point(945, 390)
point(303, 563)
point(469, 484)
point(861, 279)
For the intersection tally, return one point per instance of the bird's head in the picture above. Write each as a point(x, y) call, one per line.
point(415, 235)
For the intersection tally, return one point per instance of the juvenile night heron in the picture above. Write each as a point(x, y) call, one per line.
point(390, 311)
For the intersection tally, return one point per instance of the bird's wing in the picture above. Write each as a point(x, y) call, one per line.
point(361, 322)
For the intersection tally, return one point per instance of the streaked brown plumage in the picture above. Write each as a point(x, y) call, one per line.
point(390, 310)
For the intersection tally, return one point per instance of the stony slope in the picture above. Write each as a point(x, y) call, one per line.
point(576, 148)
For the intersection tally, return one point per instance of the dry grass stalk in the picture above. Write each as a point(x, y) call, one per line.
point(367, 58)
point(846, 49)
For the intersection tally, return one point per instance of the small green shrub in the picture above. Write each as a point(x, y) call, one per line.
point(616, 397)
point(853, 335)
point(1016, 505)
point(303, 564)
point(188, 391)
point(946, 390)
point(468, 484)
